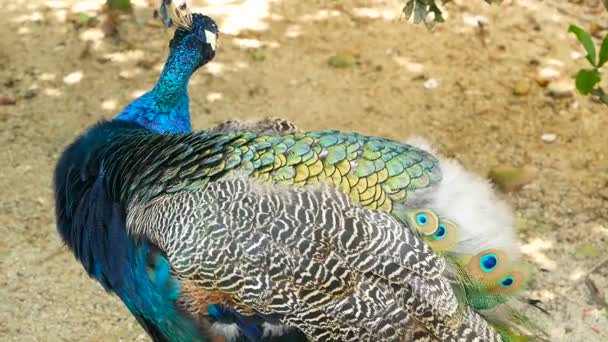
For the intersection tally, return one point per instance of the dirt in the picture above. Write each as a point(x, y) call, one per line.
point(486, 110)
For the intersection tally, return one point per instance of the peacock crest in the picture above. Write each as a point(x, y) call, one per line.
point(176, 12)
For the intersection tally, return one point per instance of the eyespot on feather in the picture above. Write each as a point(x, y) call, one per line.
point(445, 237)
point(488, 266)
point(511, 283)
point(425, 221)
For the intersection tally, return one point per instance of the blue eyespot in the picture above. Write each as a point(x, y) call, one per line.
point(441, 232)
point(507, 281)
point(488, 262)
point(422, 219)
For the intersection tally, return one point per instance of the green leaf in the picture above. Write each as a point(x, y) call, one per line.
point(419, 13)
point(586, 41)
point(342, 61)
point(84, 18)
point(586, 79)
point(258, 55)
point(121, 5)
point(408, 9)
point(510, 179)
point(587, 250)
point(603, 49)
point(605, 2)
point(438, 14)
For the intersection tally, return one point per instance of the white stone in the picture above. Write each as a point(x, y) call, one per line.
point(73, 77)
point(431, 83)
point(246, 43)
point(548, 74)
point(474, 20)
point(561, 88)
point(575, 55)
point(415, 68)
point(213, 96)
point(549, 137)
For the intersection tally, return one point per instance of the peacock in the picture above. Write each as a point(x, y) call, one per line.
point(250, 231)
point(280, 230)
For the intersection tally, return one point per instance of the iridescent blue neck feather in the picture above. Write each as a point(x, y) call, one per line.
point(166, 108)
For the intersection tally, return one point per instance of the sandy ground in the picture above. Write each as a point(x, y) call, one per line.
point(64, 75)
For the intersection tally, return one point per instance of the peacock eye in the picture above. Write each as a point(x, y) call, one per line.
point(488, 262)
point(441, 232)
point(422, 219)
point(507, 281)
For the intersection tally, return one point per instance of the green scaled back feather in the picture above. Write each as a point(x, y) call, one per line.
point(373, 171)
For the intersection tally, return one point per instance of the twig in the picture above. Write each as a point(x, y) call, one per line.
point(596, 295)
point(596, 267)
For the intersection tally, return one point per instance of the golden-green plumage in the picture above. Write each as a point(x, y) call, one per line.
point(373, 171)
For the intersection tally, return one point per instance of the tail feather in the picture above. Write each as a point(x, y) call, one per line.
point(485, 221)
point(480, 243)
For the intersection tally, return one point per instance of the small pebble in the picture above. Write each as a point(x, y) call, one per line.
point(73, 77)
point(576, 55)
point(125, 74)
point(510, 179)
point(29, 94)
point(431, 83)
point(596, 30)
point(560, 89)
point(109, 105)
point(521, 87)
point(549, 137)
point(474, 20)
point(5, 101)
point(546, 75)
point(213, 96)
point(415, 68)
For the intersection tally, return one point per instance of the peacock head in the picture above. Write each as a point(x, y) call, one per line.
point(200, 34)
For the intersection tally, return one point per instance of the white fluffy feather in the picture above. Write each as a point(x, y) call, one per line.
point(229, 331)
point(469, 200)
point(271, 330)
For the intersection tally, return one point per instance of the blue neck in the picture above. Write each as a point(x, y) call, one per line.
point(172, 87)
point(166, 108)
